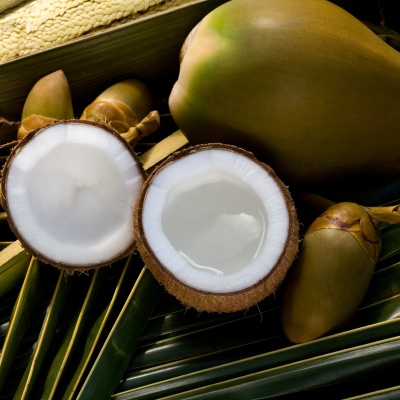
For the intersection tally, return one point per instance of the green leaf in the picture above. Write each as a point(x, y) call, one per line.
point(385, 284)
point(392, 393)
point(20, 318)
point(173, 378)
point(390, 242)
point(98, 330)
point(381, 311)
point(190, 339)
point(330, 368)
point(49, 327)
point(75, 332)
point(58, 363)
point(121, 342)
point(4, 244)
point(14, 262)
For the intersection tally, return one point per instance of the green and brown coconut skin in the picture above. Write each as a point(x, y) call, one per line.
point(208, 301)
point(327, 283)
point(127, 107)
point(302, 84)
point(48, 101)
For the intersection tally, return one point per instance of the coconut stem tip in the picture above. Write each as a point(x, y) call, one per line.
point(149, 124)
point(388, 214)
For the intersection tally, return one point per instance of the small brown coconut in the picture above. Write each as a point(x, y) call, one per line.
point(216, 227)
point(68, 189)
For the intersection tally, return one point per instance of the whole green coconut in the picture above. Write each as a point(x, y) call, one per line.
point(303, 84)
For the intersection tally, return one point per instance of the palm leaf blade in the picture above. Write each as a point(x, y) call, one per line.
point(75, 332)
point(97, 330)
point(365, 361)
point(20, 318)
point(164, 385)
point(121, 342)
point(46, 336)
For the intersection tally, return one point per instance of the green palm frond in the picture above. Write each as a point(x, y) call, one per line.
point(114, 333)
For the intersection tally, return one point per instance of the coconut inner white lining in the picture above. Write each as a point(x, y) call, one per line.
point(216, 220)
point(71, 190)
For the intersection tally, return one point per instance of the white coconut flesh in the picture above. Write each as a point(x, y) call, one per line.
point(216, 220)
point(69, 193)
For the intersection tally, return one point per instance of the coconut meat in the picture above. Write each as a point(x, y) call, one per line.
point(70, 192)
point(216, 220)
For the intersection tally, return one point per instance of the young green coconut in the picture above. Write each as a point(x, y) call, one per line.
point(335, 266)
point(68, 190)
point(216, 227)
point(48, 100)
point(127, 106)
point(294, 80)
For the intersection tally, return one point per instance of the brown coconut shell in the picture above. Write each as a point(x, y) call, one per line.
point(14, 228)
point(209, 301)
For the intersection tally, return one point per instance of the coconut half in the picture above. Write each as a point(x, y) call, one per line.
point(68, 190)
point(216, 227)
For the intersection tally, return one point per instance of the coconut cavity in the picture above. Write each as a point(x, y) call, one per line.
point(216, 227)
point(68, 190)
point(210, 233)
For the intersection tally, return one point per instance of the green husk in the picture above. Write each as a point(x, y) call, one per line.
point(131, 92)
point(329, 279)
point(48, 100)
point(335, 266)
point(50, 96)
point(127, 107)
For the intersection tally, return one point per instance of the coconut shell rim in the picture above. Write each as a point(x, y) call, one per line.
point(162, 274)
point(4, 203)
